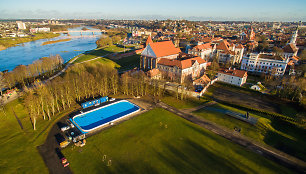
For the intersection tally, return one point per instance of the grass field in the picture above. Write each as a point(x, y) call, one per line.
point(183, 104)
point(283, 136)
point(18, 147)
point(144, 145)
point(125, 63)
point(129, 62)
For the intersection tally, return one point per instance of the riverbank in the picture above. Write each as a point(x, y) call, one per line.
point(2, 47)
point(55, 41)
point(11, 42)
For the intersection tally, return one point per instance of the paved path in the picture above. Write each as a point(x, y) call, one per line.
point(264, 150)
point(63, 70)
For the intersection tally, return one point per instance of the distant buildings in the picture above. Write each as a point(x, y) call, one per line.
point(21, 25)
point(232, 76)
point(40, 30)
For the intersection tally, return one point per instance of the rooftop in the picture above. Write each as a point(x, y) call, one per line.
point(234, 72)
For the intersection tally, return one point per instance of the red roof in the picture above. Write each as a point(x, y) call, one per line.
point(223, 45)
point(182, 64)
point(203, 47)
point(203, 80)
point(164, 48)
point(234, 72)
point(295, 58)
point(291, 62)
point(153, 72)
point(149, 40)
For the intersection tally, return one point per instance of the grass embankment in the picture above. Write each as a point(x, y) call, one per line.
point(144, 145)
point(55, 41)
point(11, 42)
point(18, 146)
point(282, 135)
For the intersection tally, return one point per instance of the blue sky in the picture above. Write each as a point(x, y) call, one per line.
point(255, 10)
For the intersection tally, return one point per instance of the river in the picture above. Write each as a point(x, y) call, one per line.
point(28, 52)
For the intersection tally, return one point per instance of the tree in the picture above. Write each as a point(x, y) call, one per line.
point(2, 83)
point(103, 42)
point(278, 51)
point(116, 39)
point(303, 55)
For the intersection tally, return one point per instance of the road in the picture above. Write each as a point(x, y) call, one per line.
point(266, 151)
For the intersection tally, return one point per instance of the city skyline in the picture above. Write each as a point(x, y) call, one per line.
point(237, 10)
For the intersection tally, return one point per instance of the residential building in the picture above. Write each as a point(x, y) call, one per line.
point(205, 51)
point(229, 52)
point(181, 69)
point(233, 76)
point(264, 63)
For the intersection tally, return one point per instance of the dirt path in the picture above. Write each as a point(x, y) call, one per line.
point(50, 152)
point(266, 151)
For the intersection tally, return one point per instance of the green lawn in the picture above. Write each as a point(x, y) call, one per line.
point(18, 147)
point(183, 104)
point(129, 62)
point(283, 136)
point(144, 145)
point(125, 63)
point(103, 60)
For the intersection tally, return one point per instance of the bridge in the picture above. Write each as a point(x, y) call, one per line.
point(79, 31)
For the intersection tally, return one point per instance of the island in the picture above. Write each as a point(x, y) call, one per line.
point(55, 41)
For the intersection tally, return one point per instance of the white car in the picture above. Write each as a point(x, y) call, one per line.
point(112, 99)
point(63, 129)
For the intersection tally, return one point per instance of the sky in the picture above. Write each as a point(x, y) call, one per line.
point(221, 10)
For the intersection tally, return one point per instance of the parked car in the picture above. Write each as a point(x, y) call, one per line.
point(63, 129)
point(65, 162)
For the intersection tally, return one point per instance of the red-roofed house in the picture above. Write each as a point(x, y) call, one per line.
point(229, 52)
point(232, 76)
point(205, 51)
point(202, 81)
point(181, 69)
point(153, 52)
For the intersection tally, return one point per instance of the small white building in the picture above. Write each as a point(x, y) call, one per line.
point(232, 76)
point(264, 63)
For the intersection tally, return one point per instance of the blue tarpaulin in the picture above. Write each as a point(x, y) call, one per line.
point(94, 102)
